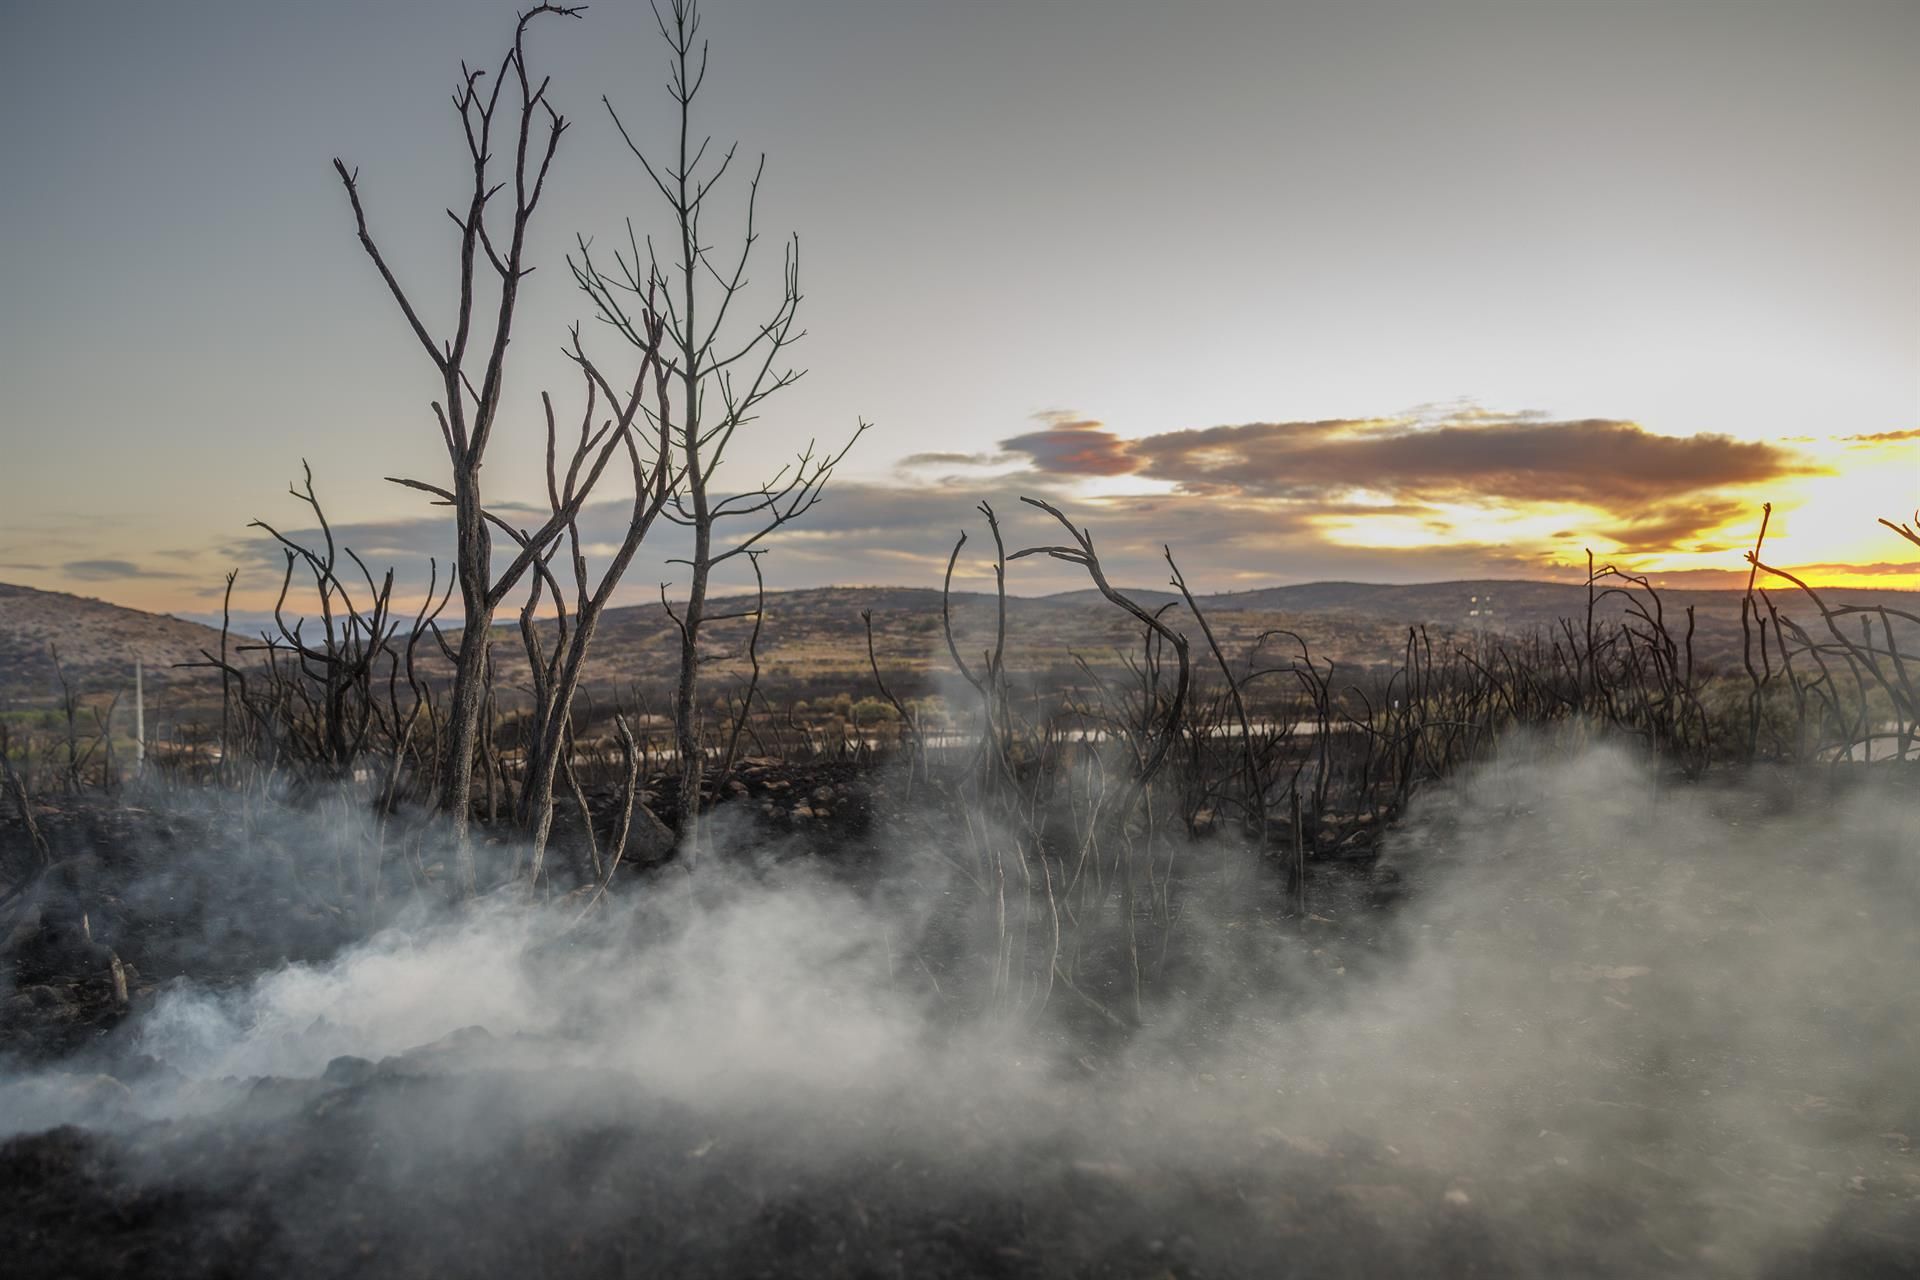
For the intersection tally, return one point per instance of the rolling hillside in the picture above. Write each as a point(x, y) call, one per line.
point(98, 643)
point(813, 642)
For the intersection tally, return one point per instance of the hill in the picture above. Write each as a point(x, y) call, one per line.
point(98, 643)
point(813, 642)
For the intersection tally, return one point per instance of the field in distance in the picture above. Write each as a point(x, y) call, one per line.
point(813, 642)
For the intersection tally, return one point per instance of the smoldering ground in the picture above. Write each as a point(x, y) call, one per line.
point(1614, 1027)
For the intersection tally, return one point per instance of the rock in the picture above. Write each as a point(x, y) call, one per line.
point(463, 1038)
point(347, 1070)
point(649, 840)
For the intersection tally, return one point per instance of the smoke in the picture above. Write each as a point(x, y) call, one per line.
point(1694, 1007)
point(1614, 1025)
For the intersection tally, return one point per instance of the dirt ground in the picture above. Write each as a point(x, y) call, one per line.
point(386, 1168)
point(303, 1179)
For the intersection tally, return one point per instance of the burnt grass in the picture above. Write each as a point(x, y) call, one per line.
point(374, 1169)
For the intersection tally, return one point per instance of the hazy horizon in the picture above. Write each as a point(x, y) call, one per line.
point(246, 621)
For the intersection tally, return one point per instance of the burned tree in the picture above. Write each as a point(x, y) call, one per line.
point(725, 370)
point(331, 672)
point(1876, 664)
point(556, 675)
point(508, 109)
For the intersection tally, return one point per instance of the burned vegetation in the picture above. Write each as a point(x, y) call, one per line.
point(1573, 951)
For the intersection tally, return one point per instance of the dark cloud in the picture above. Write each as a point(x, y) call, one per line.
point(1665, 527)
point(1074, 446)
point(900, 534)
point(914, 460)
point(112, 571)
point(877, 533)
point(1258, 503)
point(1487, 458)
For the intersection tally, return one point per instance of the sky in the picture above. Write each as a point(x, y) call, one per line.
point(1364, 291)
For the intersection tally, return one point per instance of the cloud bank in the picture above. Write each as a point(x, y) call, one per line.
point(1440, 492)
point(1443, 492)
point(1596, 462)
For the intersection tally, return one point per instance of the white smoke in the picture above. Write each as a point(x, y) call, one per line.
point(1691, 1012)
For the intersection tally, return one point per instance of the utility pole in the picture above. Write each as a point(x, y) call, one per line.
point(139, 719)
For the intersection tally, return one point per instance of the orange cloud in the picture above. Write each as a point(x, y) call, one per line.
point(1076, 447)
point(1595, 462)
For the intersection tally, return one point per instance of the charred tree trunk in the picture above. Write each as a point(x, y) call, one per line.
point(687, 724)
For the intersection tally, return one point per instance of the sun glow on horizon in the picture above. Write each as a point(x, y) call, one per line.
point(1825, 524)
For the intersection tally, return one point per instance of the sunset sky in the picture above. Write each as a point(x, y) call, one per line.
point(1385, 292)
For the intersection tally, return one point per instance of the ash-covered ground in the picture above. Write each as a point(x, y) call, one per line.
point(1605, 1026)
